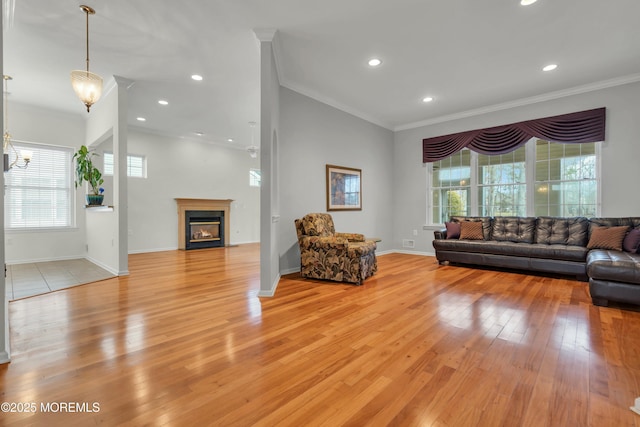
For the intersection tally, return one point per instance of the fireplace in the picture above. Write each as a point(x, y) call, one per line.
point(204, 229)
point(203, 223)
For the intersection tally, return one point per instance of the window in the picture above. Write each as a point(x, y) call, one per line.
point(566, 182)
point(40, 196)
point(541, 178)
point(451, 181)
point(136, 165)
point(502, 184)
point(254, 177)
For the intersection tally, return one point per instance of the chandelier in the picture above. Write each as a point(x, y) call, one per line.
point(87, 85)
point(22, 159)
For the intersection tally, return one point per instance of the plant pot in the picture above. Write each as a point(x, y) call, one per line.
point(94, 199)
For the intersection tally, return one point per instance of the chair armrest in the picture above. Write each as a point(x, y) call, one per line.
point(352, 237)
point(440, 234)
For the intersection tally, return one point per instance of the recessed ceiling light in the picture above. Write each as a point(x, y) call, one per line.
point(199, 133)
point(374, 62)
point(427, 99)
point(141, 119)
point(229, 139)
point(527, 2)
point(163, 102)
point(196, 77)
point(550, 67)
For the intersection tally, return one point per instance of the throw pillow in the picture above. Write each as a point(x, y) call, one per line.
point(631, 242)
point(471, 230)
point(607, 238)
point(453, 230)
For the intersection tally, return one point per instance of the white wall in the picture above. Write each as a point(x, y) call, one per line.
point(312, 135)
point(269, 161)
point(176, 168)
point(33, 124)
point(108, 244)
point(620, 154)
point(182, 168)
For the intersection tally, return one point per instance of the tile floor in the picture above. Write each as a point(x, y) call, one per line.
point(25, 280)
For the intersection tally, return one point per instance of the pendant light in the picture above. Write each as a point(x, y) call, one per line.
point(252, 149)
point(87, 85)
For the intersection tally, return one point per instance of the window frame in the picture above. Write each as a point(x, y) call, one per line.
point(252, 180)
point(129, 158)
point(530, 163)
point(69, 188)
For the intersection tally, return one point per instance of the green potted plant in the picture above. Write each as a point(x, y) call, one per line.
point(86, 171)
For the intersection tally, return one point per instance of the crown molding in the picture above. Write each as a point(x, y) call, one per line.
point(276, 47)
point(335, 104)
point(604, 84)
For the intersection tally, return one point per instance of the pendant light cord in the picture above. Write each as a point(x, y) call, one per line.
point(86, 11)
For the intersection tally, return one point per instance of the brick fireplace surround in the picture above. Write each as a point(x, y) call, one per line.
point(185, 205)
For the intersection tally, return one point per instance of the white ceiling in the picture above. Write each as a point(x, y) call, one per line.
point(468, 54)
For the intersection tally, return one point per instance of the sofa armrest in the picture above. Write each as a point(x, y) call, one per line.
point(440, 234)
point(352, 237)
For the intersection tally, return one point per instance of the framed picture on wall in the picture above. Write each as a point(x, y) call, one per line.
point(344, 188)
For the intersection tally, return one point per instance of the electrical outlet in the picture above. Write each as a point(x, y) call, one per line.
point(415, 232)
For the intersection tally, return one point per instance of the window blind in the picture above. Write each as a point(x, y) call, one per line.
point(40, 196)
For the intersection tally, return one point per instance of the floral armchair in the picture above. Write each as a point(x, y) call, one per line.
point(325, 254)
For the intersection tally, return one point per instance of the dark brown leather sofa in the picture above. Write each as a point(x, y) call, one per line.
point(552, 245)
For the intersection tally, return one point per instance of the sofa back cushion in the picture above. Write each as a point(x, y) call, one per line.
point(485, 220)
point(513, 229)
point(562, 231)
point(631, 222)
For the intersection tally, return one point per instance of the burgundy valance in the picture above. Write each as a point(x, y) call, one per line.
point(583, 126)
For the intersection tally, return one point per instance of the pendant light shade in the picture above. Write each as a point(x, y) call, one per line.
point(87, 85)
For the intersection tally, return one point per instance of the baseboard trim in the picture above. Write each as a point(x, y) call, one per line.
point(290, 271)
point(270, 292)
point(400, 251)
point(106, 267)
point(379, 253)
point(4, 357)
point(30, 261)
point(146, 251)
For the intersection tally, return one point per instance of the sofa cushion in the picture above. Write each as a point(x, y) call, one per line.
point(471, 230)
point(631, 222)
point(631, 242)
point(607, 237)
point(562, 231)
point(453, 230)
point(485, 220)
point(529, 250)
point(614, 266)
point(513, 229)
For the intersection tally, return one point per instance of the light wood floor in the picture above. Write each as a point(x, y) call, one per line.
point(184, 341)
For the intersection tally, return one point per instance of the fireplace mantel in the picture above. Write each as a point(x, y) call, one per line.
point(185, 205)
